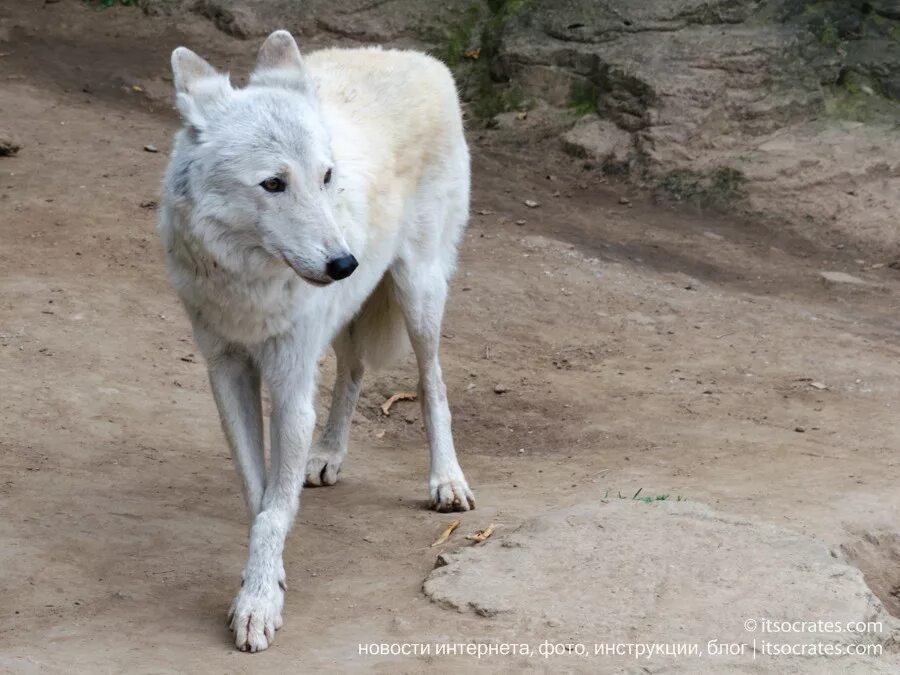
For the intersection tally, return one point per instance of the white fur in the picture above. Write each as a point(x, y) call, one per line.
point(248, 263)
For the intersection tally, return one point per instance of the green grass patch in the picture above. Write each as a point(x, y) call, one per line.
point(583, 97)
point(100, 5)
point(646, 498)
point(460, 36)
point(717, 187)
point(481, 27)
point(860, 98)
point(828, 34)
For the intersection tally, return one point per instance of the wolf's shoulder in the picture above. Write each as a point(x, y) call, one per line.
point(404, 95)
point(378, 68)
point(376, 59)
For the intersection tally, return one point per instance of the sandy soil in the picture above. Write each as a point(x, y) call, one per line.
point(642, 347)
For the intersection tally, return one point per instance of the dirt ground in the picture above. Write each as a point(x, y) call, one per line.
point(642, 347)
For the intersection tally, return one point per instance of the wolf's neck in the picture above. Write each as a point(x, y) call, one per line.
point(189, 252)
point(223, 257)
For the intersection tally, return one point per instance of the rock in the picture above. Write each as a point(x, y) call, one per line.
point(703, 85)
point(599, 140)
point(151, 148)
point(500, 389)
point(239, 19)
point(682, 72)
point(531, 203)
point(675, 571)
point(8, 147)
point(409, 23)
point(842, 278)
point(542, 120)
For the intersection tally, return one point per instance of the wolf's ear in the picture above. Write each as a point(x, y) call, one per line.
point(279, 63)
point(199, 88)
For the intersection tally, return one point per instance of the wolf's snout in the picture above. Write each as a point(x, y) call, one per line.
point(341, 268)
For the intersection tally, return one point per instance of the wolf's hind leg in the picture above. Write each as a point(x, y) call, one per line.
point(328, 453)
point(422, 292)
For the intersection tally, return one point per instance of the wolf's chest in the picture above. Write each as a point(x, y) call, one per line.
point(243, 311)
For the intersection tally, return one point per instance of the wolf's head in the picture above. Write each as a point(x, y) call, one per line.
point(259, 167)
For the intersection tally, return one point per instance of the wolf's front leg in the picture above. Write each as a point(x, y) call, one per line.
point(235, 385)
point(256, 611)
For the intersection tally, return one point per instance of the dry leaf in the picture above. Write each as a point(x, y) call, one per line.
point(399, 396)
point(472, 53)
point(481, 535)
point(445, 535)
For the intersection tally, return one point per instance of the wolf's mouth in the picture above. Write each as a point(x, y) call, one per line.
point(313, 281)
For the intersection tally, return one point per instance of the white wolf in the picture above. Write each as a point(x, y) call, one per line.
point(322, 204)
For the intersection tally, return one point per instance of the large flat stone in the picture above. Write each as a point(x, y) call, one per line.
point(627, 571)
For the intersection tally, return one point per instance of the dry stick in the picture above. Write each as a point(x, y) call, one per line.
point(399, 396)
point(445, 535)
point(481, 535)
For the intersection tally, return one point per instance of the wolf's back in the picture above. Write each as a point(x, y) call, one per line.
point(406, 96)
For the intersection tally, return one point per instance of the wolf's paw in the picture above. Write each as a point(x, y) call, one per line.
point(255, 615)
point(322, 468)
point(452, 495)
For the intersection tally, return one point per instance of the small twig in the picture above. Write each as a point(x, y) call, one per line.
point(445, 535)
point(812, 454)
point(399, 396)
point(481, 535)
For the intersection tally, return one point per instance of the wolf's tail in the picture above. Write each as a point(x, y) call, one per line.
point(378, 332)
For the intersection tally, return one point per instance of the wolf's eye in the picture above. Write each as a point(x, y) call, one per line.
point(327, 178)
point(273, 184)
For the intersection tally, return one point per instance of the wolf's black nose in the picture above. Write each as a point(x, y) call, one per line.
point(341, 268)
